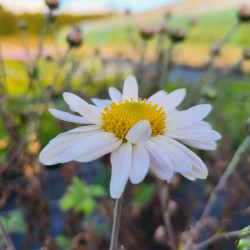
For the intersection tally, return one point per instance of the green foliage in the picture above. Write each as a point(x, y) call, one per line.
point(19, 221)
point(8, 21)
point(80, 197)
point(144, 193)
point(63, 242)
point(244, 242)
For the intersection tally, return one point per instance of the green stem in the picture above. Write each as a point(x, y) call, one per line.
point(166, 64)
point(116, 223)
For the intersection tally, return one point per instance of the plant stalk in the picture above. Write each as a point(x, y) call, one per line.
point(116, 223)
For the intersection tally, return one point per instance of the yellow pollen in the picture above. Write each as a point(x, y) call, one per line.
point(119, 118)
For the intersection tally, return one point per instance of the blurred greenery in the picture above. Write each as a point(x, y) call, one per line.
point(36, 21)
point(244, 242)
point(14, 221)
point(81, 197)
point(144, 193)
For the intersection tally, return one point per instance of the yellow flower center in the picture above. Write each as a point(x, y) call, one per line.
point(119, 119)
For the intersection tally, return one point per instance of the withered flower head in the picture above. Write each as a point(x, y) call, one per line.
point(74, 38)
point(244, 13)
point(52, 4)
point(193, 21)
point(161, 28)
point(128, 12)
point(22, 25)
point(216, 48)
point(168, 14)
point(176, 34)
point(246, 53)
point(147, 33)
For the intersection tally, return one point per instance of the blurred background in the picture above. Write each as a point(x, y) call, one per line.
point(48, 47)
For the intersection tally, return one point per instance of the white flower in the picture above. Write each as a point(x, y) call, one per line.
point(141, 135)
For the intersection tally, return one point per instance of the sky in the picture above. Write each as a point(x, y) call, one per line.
point(83, 6)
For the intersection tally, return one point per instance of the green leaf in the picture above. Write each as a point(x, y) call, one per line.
point(244, 242)
point(63, 242)
point(66, 203)
point(144, 193)
point(88, 205)
point(97, 191)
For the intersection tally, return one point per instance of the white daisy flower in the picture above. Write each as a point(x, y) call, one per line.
point(141, 135)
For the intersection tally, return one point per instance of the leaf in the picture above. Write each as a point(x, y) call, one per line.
point(63, 242)
point(244, 242)
point(88, 206)
point(66, 203)
point(144, 193)
point(97, 191)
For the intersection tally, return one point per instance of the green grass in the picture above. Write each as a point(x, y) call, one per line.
point(210, 27)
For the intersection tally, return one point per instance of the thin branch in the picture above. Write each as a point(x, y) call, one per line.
point(164, 199)
point(6, 237)
point(222, 182)
point(217, 237)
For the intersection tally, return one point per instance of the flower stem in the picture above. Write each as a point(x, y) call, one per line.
point(116, 223)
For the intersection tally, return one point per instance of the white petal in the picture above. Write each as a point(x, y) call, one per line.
point(130, 89)
point(198, 165)
point(121, 161)
point(140, 164)
point(50, 154)
point(189, 176)
point(205, 145)
point(88, 111)
point(172, 100)
point(191, 133)
point(180, 160)
point(65, 116)
point(115, 95)
point(84, 129)
point(101, 103)
point(157, 97)
point(160, 164)
point(91, 148)
point(185, 118)
point(139, 133)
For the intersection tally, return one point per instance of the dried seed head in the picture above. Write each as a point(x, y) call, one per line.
point(52, 4)
point(146, 34)
point(168, 14)
point(176, 34)
point(193, 22)
point(161, 28)
point(216, 48)
point(75, 38)
point(244, 13)
point(246, 53)
point(22, 25)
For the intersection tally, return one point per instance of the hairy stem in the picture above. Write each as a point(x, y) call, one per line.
point(116, 223)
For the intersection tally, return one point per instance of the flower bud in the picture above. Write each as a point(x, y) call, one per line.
point(52, 4)
point(168, 15)
point(176, 34)
point(244, 13)
point(216, 48)
point(161, 28)
point(127, 12)
point(246, 53)
point(193, 22)
point(146, 34)
point(22, 25)
point(74, 38)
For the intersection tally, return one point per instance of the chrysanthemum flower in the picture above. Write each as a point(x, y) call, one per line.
point(140, 134)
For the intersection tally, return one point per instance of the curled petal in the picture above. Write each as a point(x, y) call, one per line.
point(139, 133)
